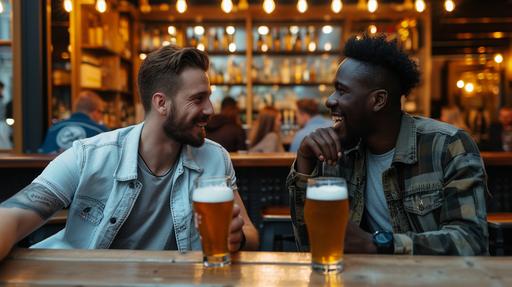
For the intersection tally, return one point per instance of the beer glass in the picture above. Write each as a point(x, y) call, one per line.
point(213, 206)
point(326, 214)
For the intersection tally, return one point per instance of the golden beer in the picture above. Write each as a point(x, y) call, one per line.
point(213, 206)
point(326, 214)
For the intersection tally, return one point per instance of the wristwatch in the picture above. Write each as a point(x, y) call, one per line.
point(384, 242)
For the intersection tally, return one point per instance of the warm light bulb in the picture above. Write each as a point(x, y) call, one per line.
point(1, 7)
point(230, 30)
point(336, 6)
point(372, 5)
point(68, 5)
point(372, 29)
point(171, 30)
point(101, 6)
point(200, 46)
point(269, 6)
point(460, 84)
point(232, 47)
point(420, 5)
point(264, 47)
point(302, 6)
point(166, 43)
point(263, 30)
point(142, 56)
point(181, 6)
point(294, 29)
point(9, 121)
point(226, 6)
point(199, 30)
point(449, 5)
point(327, 46)
point(498, 58)
point(311, 46)
point(469, 87)
point(327, 29)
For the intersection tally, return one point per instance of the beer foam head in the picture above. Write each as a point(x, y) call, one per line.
point(327, 192)
point(212, 194)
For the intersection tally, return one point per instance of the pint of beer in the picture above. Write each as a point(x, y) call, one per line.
point(326, 214)
point(213, 206)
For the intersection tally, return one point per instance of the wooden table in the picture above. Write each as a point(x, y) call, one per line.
point(149, 268)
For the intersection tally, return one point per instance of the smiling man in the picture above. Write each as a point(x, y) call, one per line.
point(131, 188)
point(416, 185)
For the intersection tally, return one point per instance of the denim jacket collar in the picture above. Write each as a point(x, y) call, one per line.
point(405, 147)
point(127, 166)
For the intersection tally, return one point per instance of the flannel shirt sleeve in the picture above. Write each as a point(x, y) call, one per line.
point(463, 223)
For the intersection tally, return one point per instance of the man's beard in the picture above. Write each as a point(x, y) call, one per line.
point(179, 133)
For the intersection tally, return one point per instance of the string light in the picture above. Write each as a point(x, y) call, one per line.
point(372, 5)
point(230, 30)
point(101, 6)
point(460, 84)
point(419, 5)
point(327, 29)
point(142, 56)
point(302, 6)
point(232, 47)
point(171, 30)
point(226, 6)
point(263, 30)
point(498, 58)
point(269, 6)
point(469, 87)
point(336, 6)
point(199, 30)
point(449, 5)
point(200, 46)
point(68, 6)
point(181, 6)
point(373, 29)
point(311, 46)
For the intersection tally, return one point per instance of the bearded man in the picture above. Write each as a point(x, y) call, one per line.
point(131, 188)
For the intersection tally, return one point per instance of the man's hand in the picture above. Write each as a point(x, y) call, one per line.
point(323, 144)
point(358, 240)
point(236, 235)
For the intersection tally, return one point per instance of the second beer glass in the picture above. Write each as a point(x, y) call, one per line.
point(213, 205)
point(326, 214)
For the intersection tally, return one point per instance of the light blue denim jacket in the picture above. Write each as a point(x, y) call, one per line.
point(97, 180)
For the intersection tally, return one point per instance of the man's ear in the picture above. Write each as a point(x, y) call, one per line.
point(159, 103)
point(379, 100)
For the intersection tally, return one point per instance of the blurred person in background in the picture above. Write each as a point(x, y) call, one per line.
point(83, 123)
point(500, 133)
point(453, 116)
point(225, 128)
point(266, 133)
point(309, 120)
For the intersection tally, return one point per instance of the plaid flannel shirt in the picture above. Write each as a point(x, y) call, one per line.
point(435, 190)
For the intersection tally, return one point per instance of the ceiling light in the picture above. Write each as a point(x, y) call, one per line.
point(269, 6)
point(336, 6)
point(68, 5)
point(449, 5)
point(419, 5)
point(181, 6)
point(302, 6)
point(372, 5)
point(226, 6)
point(101, 6)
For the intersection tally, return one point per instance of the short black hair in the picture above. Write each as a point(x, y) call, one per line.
point(228, 102)
point(161, 69)
point(378, 51)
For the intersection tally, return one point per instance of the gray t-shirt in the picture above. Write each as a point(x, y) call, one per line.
point(149, 225)
point(377, 210)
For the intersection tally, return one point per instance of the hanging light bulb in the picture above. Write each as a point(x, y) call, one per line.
point(1, 7)
point(372, 5)
point(336, 6)
point(230, 30)
point(420, 5)
point(449, 5)
point(269, 6)
point(498, 58)
point(171, 30)
point(302, 6)
point(101, 6)
point(68, 5)
point(232, 47)
point(181, 6)
point(226, 6)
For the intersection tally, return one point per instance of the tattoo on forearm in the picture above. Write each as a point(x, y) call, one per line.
point(35, 197)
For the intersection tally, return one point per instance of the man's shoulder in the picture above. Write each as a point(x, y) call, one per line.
point(426, 125)
point(114, 137)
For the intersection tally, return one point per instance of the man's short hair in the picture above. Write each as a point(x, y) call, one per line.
point(2, 84)
point(308, 106)
point(379, 52)
point(88, 102)
point(161, 69)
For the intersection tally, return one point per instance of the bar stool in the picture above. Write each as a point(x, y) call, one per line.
point(277, 229)
point(499, 222)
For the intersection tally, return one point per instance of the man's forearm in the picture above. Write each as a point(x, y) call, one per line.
point(8, 229)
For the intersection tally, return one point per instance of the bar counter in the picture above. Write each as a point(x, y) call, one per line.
point(239, 159)
point(150, 268)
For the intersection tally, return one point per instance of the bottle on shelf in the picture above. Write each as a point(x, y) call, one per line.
point(298, 43)
point(276, 40)
point(288, 41)
point(216, 43)
point(225, 41)
point(259, 43)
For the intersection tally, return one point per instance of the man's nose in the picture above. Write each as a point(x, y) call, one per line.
point(331, 102)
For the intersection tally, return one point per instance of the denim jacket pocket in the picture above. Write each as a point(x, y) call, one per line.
point(89, 209)
point(423, 202)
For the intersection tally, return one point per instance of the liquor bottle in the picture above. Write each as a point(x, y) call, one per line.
point(193, 42)
point(225, 41)
point(285, 71)
point(288, 41)
point(307, 39)
point(216, 42)
point(277, 40)
point(259, 43)
point(298, 43)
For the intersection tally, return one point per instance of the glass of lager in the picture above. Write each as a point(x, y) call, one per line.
point(213, 206)
point(326, 214)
